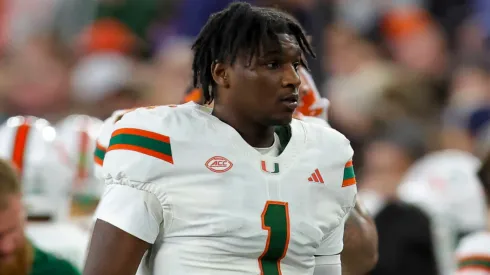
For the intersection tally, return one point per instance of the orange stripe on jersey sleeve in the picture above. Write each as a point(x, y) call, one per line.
point(349, 175)
point(474, 262)
point(142, 141)
point(142, 133)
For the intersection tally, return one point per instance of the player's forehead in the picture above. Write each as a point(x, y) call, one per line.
point(282, 44)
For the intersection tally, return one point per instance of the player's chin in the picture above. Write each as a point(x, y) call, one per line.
point(281, 119)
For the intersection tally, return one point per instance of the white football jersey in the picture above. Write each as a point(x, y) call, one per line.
point(29, 143)
point(313, 120)
point(445, 185)
point(209, 203)
point(451, 177)
point(473, 254)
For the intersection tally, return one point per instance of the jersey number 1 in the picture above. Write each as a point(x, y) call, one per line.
point(275, 219)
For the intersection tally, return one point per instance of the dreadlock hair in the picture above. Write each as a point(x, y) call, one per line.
point(240, 29)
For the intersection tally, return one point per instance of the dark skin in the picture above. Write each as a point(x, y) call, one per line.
point(360, 253)
point(250, 94)
point(250, 100)
point(113, 251)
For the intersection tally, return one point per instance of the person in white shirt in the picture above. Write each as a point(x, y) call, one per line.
point(473, 252)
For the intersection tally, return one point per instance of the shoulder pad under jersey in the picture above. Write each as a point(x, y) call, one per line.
point(336, 149)
point(104, 136)
point(329, 137)
point(314, 120)
point(140, 147)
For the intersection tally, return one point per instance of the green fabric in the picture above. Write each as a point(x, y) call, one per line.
point(99, 153)
point(276, 219)
point(142, 142)
point(284, 133)
point(47, 264)
point(349, 173)
point(86, 199)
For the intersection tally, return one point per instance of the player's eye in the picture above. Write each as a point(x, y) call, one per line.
point(296, 65)
point(273, 65)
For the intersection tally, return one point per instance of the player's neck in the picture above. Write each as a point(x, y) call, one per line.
point(256, 135)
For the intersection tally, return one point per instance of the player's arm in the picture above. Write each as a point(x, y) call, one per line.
point(360, 253)
point(113, 251)
point(131, 212)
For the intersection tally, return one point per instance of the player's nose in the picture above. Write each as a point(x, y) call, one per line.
point(291, 77)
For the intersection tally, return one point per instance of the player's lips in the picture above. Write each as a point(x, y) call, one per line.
point(291, 101)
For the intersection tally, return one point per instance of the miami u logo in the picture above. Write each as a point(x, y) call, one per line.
point(264, 167)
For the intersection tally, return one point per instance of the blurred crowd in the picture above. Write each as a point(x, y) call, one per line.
point(408, 83)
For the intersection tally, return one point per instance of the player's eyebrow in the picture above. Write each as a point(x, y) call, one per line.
point(271, 52)
point(280, 53)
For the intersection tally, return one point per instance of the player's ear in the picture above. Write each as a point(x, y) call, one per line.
point(220, 74)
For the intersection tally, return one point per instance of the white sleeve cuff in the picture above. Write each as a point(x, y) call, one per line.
point(328, 265)
point(134, 211)
point(327, 260)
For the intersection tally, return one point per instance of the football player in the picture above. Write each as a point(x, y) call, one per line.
point(473, 253)
point(444, 184)
point(360, 237)
point(239, 189)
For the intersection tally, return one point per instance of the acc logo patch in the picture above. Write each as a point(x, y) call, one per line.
point(219, 164)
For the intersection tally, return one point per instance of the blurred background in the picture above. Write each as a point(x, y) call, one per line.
point(408, 83)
